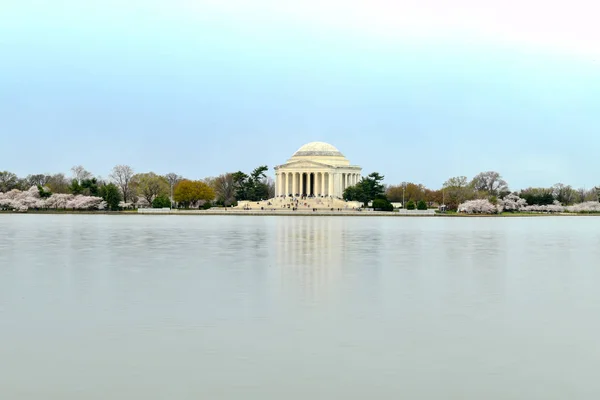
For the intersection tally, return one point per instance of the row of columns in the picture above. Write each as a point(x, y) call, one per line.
point(313, 183)
point(349, 179)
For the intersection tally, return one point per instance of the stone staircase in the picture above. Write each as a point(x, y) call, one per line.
point(305, 204)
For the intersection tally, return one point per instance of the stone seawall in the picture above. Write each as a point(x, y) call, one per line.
point(233, 211)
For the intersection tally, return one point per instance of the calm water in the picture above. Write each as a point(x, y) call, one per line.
point(166, 307)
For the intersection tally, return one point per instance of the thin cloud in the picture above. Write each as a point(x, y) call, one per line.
point(564, 27)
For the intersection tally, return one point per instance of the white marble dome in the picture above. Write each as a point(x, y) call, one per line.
point(320, 152)
point(318, 149)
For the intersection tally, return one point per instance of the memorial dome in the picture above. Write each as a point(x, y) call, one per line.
point(321, 152)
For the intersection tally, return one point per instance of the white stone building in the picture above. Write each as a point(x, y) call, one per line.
point(316, 169)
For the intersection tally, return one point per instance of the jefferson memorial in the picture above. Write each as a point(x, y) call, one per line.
point(317, 169)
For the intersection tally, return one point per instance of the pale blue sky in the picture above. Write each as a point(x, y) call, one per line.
point(201, 89)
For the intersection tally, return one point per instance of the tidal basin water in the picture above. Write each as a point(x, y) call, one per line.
point(168, 307)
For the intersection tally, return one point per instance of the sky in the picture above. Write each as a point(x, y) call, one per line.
point(418, 91)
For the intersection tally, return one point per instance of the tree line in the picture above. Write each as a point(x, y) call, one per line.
point(491, 186)
point(124, 188)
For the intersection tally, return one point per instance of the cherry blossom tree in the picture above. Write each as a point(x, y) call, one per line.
point(479, 206)
point(586, 207)
point(17, 200)
point(86, 203)
point(511, 203)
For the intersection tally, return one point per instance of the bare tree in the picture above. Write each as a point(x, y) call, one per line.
point(490, 182)
point(457, 181)
point(224, 186)
point(270, 187)
point(173, 179)
point(38, 179)
point(58, 183)
point(80, 173)
point(581, 195)
point(565, 194)
point(121, 175)
point(8, 181)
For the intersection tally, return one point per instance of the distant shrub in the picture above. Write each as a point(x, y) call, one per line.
point(206, 205)
point(161, 202)
point(382, 205)
point(421, 205)
point(410, 205)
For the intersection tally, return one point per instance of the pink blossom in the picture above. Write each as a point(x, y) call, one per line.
point(587, 207)
point(85, 203)
point(512, 203)
point(481, 206)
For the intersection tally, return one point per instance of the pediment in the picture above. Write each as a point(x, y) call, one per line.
point(305, 164)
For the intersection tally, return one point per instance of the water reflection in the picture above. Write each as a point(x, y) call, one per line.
point(298, 307)
point(309, 255)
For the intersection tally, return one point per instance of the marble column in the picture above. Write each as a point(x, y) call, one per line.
point(330, 181)
point(283, 184)
point(322, 183)
point(294, 184)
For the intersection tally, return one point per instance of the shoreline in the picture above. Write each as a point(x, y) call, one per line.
point(285, 213)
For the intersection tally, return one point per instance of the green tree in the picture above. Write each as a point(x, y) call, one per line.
point(382, 205)
point(355, 193)
point(537, 196)
point(189, 193)
point(90, 187)
point(44, 194)
point(242, 188)
point(161, 201)
point(421, 205)
point(367, 189)
point(372, 185)
point(456, 191)
point(112, 195)
point(87, 186)
point(253, 187)
point(75, 188)
point(410, 205)
point(150, 185)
